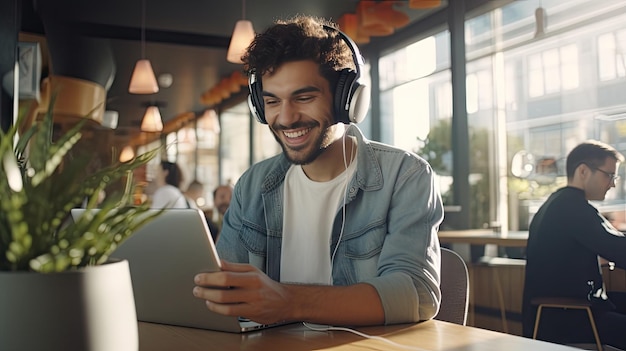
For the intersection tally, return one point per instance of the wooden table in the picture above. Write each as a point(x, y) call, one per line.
point(431, 335)
point(484, 237)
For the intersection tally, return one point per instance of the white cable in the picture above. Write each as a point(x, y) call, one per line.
point(367, 336)
point(332, 259)
point(345, 199)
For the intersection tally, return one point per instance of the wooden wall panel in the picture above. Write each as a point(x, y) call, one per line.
point(484, 301)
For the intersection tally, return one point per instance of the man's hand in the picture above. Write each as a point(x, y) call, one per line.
point(242, 290)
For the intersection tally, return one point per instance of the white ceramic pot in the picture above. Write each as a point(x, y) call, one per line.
point(91, 309)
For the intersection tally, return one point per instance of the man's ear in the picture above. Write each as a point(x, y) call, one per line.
point(582, 170)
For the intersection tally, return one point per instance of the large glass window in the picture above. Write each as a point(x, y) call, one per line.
point(541, 77)
point(612, 55)
point(416, 103)
point(207, 134)
point(544, 99)
point(235, 146)
point(265, 145)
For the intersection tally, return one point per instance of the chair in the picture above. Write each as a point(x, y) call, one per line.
point(565, 304)
point(454, 288)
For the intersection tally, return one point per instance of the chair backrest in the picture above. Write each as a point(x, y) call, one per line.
point(454, 288)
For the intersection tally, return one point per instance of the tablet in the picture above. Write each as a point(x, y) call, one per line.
point(164, 255)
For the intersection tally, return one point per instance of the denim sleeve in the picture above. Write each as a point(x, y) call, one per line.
point(409, 266)
point(228, 246)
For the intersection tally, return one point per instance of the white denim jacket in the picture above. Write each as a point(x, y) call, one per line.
point(393, 212)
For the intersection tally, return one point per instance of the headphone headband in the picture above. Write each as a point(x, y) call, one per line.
point(356, 54)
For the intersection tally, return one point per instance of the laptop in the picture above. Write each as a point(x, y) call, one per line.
point(164, 255)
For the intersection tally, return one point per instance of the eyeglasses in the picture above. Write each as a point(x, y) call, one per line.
point(614, 177)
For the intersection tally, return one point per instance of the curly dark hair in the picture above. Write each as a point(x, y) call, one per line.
point(300, 38)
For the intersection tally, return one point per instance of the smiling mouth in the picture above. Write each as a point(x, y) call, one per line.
point(297, 134)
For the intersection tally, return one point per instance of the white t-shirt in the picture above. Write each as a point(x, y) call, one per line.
point(310, 209)
point(168, 196)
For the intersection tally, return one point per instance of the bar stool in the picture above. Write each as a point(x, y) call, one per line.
point(565, 304)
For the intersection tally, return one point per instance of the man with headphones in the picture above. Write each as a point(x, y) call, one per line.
point(337, 229)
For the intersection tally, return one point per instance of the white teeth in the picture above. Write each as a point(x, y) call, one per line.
point(297, 134)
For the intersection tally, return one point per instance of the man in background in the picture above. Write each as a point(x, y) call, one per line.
point(567, 239)
point(194, 192)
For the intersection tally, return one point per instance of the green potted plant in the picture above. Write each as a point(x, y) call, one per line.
point(56, 279)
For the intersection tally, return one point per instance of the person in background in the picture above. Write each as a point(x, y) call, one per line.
point(167, 180)
point(567, 237)
point(221, 200)
point(336, 229)
point(195, 191)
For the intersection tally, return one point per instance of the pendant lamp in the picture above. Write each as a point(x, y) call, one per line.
point(243, 34)
point(143, 80)
point(127, 154)
point(424, 4)
point(152, 121)
point(209, 121)
point(541, 21)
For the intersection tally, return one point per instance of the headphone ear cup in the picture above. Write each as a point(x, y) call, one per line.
point(255, 99)
point(343, 95)
point(254, 110)
point(359, 103)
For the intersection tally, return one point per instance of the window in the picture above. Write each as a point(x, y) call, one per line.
point(235, 143)
point(416, 103)
point(409, 63)
point(612, 55)
point(551, 100)
point(553, 70)
point(265, 145)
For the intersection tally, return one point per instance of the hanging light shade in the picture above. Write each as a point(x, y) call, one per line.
point(386, 13)
point(241, 39)
point(152, 121)
point(369, 21)
point(243, 34)
point(541, 21)
point(127, 154)
point(187, 139)
point(143, 80)
point(424, 4)
point(349, 24)
point(209, 121)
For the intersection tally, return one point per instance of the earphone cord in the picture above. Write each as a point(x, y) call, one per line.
point(332, 259)
point(345, 199)
point(367, 336)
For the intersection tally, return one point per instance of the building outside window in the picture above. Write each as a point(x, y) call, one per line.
point(553, 97)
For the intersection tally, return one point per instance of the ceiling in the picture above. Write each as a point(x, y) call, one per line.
point(185, 38)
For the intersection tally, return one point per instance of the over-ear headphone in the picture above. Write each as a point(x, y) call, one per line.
point(351, 100)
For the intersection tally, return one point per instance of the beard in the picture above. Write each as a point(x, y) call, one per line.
point(308, 153)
